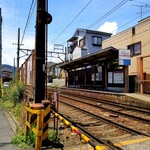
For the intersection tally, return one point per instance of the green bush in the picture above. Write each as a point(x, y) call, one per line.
point(18, 110)
point(20, 140)
point(52, 136)
point(13, 93)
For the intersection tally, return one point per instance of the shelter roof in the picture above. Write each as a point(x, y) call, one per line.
point(106, 54)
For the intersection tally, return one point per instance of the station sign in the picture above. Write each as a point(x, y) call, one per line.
point(124, 62)
point(124, 57)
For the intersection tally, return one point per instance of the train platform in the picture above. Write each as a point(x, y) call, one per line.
point(140, 100)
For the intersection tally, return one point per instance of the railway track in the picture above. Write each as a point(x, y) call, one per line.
point(134, 122)
point(123, 110)
point(105, 121)
point(99, 129)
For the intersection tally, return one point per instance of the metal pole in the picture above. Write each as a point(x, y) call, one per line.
point(18, 48)
point(46, 43)
point(40, 53)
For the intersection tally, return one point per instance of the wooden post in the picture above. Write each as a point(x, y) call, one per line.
point(94, 71)
point(85, 76)
point(74, 78)
point(106, 76)
point(126, 89)
point(32, 73)
point(26, 65)
point(141, 75)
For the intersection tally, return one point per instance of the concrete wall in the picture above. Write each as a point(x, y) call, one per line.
point(123, 39)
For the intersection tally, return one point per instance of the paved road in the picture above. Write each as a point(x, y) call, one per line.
point(6, 133)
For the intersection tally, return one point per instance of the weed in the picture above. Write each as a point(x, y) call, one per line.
point(52, 136)
point(20, 140)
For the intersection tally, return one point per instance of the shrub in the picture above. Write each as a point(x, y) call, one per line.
point(20, 140)
point(14, 93)
point(52, 136)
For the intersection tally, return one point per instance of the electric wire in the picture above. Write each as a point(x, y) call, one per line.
point(31, 16)
point(139, 2)
point(108, 13)
point(28, 19)
point(119, 39)
point(71, 21)
point(129, 21)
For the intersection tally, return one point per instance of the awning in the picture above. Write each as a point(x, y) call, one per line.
point(107, 54)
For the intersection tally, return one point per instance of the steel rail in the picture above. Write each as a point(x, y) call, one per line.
point(112, 103)
point(130, 130)
point(116, 112)
point(101, 141)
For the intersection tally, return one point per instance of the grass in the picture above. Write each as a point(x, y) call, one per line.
point(12, 101)
point(20, 140)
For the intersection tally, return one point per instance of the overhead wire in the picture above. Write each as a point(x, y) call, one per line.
point(108, 13)
point(138, 1)
point(71, 22)
point(129, 21)
point(28, 20)
point(30, 17)
point(104, 16)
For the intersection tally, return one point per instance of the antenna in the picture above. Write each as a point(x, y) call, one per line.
point(141, 8)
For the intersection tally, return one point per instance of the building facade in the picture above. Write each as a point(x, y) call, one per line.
point(137, 40)
point(85, 42)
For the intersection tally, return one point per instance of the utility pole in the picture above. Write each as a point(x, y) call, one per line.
point(18, 49)
point(42, 18)
point(40, 53)
point(141, 8)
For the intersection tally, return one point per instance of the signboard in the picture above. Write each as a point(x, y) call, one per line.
point(124, 57)
point(125, 62)
point(124, 54)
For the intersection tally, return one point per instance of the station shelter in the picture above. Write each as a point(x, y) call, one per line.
point(97, 71)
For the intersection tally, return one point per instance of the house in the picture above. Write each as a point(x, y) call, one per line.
point(137, 40)
point(92, 67)
point(54, 71)
point(85, 42)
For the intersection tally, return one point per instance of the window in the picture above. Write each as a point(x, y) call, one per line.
point(133, 31)
point(135, 49)
point(82, 42)
point(96, 40)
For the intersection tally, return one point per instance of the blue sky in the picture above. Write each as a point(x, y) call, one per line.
point(15, 13)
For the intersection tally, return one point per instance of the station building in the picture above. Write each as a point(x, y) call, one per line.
point(99, 67)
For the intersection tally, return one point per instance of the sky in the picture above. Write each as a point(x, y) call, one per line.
point(67, 15)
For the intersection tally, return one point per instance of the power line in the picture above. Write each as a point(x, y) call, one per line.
point(71, 21)
point(28, 19)
point(138, 1)
point(130, 21)
point(108, 13)
point(31, 15)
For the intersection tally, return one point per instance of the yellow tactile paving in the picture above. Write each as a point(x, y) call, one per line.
point(128, 142)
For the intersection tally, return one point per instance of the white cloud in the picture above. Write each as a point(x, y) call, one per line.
point(110, 27)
